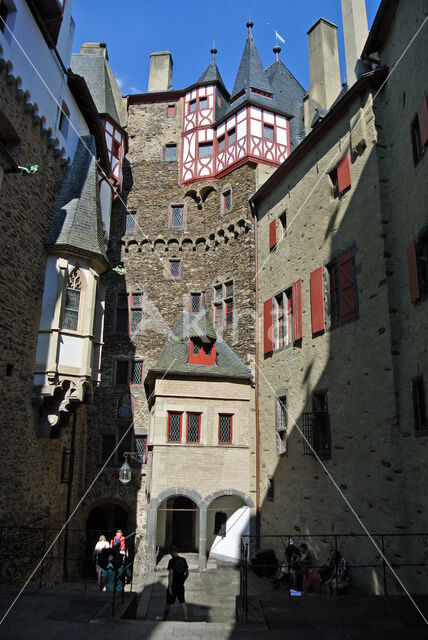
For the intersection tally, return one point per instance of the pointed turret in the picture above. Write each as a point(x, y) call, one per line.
point(211, 74)
point(251, 74)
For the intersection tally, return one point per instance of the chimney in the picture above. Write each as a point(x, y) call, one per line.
point(355, 32)
point(324, 69)
point(94, 48)
point(160, 77)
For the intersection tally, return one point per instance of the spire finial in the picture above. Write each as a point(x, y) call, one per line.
point(213, 50)
point(277, 51)
point(249, 24)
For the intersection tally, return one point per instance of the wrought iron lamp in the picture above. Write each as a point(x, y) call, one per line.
point(125, 472)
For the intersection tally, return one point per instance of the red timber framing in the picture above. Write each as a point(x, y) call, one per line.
point(115, 141)
point(201, 352)
point(175, 420)
point(225, 425)
point(193, 427)
point(247, 144)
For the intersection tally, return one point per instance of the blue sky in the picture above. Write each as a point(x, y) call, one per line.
point(132, 29)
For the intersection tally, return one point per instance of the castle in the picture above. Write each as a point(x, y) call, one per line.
point(223, 299)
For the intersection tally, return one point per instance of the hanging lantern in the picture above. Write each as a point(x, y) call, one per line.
point(125, 473)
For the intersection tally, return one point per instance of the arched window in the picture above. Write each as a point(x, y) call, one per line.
point(72, 300)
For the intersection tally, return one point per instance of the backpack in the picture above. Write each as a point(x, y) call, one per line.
point(180, 565)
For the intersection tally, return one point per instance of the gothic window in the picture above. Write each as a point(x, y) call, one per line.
point(72, 300)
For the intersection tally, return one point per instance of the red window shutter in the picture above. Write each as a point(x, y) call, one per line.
point(344, 174)
point(267, 326)
point(296, 293)
point(413, 273)
point(272, 234)
point(317, 300)
point(348, 299)
point(423, 119)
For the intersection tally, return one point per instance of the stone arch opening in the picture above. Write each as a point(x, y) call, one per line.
point(178, 524)
point(228, 518)
point(105, 519)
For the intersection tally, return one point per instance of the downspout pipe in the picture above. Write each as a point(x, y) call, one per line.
point(256, 374)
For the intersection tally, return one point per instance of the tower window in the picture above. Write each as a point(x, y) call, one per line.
point(221, 143)
point(226, 201)
point(129, 313)
point(195, 302)
point(231, 136)
point(171, 111)
point(130, 221)
point(193, 427)
point(175, 269)
point(170, 152)
point(205, 149)
point(203, 103)
point(192, 106)
point(177, 215)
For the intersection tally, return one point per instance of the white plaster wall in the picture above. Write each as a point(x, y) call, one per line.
point(43, 76)
point(238, 524)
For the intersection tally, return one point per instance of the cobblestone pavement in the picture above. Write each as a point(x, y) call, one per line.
point(69, 612)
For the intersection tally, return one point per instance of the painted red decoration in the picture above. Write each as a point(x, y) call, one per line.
point(415, 292)
point(272, 235)
point(423, 119)
point(296, 293)
point(344, 174)
point(317, 300)
point(348, 301)
point(199, 355)
point(267, 326)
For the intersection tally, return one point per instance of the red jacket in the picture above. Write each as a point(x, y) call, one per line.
point(120, 541)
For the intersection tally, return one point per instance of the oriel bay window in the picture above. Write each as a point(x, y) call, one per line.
point(129, 313)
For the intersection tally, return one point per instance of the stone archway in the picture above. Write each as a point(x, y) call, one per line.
point(228, 518)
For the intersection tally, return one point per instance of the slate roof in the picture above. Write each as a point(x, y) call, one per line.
point(211, 75)
point(93, 68)
point(174, 356)
point(77, 221)
point(288, 94)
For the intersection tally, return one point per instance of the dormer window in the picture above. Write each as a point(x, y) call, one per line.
point(202, 351)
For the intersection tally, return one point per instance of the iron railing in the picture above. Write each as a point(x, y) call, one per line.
point(383, 560)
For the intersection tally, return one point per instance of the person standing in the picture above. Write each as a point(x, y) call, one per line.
point(178, 572)
point(101, 544)
point(118, 545)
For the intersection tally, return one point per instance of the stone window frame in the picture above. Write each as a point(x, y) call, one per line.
point(131, 360)
point(171, 106)
point(223, 192)
point(223, 301)
point(171, 205)
point(128, 213)
point(280, 429)
point(169, 276)
point(130, 306)
point(169, 145)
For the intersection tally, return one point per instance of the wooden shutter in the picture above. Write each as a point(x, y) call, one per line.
point(296, 293)
point(272, 234)
point(413, 273)
point(423, 119)
point(348, 298)
point(317, 300)
point(344, 174)
point(267, 326)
